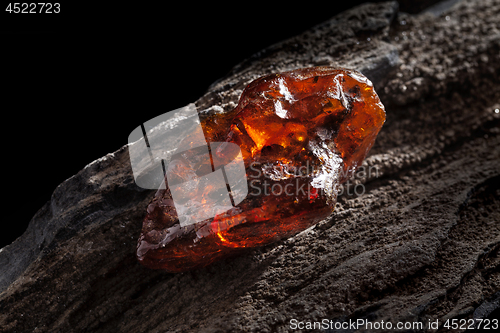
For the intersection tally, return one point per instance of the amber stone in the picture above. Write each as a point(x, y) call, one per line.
point(302, 134)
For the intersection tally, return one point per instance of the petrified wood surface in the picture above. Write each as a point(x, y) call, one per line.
point(421, 243)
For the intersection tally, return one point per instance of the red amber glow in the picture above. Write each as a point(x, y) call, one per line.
point(302, 133)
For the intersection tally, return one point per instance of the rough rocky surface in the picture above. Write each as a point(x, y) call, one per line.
point(418, 241)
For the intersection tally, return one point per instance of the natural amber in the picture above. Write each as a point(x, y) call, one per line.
point(302, 134)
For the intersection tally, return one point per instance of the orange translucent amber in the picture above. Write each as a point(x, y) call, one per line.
point(302, 133)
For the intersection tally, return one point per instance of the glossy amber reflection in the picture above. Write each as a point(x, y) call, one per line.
point(301, 133)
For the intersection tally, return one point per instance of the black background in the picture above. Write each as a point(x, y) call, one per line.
point(75, 84)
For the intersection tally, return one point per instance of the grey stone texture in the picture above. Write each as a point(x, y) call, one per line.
point(420, 243)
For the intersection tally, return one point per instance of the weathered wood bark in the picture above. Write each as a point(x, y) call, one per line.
point(418, 242)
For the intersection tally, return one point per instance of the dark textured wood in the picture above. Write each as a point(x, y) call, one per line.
point(420, 242)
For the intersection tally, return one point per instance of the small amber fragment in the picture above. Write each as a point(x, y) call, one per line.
point(302, 133)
